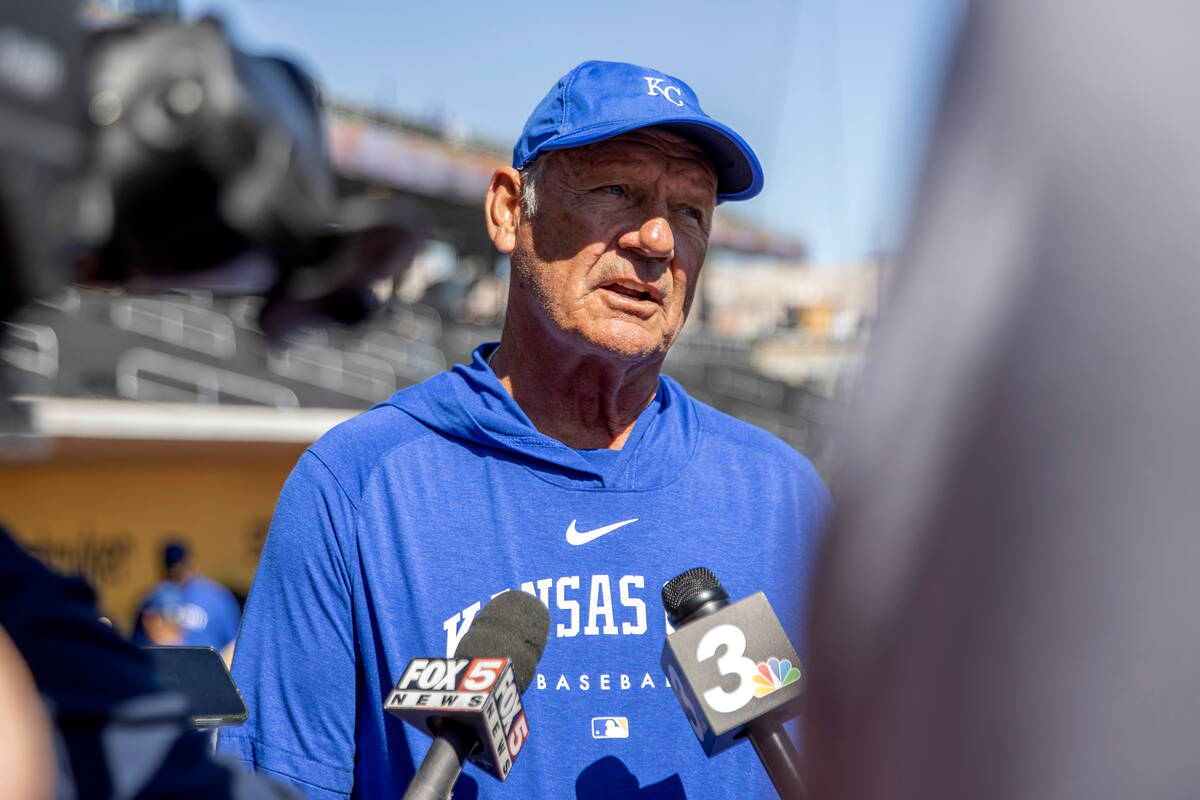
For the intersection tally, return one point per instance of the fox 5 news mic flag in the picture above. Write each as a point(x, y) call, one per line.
point(480, 693)
point(734, 672)
point(471, 703)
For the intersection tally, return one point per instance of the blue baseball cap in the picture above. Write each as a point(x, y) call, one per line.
point(166, 599)
point(601, 99)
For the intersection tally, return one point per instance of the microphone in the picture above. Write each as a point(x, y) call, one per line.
point(749, 689)
point(471, 703)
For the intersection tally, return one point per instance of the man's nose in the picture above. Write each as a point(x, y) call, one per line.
point(653, 239)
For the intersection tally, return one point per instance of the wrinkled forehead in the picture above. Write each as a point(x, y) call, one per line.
point(648, 148)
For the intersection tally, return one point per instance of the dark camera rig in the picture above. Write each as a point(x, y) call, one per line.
point(155, 155)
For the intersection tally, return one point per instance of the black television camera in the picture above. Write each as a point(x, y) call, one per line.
point(155, 155)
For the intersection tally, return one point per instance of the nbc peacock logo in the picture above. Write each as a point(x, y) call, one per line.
point(774, 674)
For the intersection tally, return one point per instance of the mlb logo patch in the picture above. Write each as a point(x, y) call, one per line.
point(610, 728)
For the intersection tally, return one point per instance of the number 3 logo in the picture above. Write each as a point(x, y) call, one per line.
point(732, 662)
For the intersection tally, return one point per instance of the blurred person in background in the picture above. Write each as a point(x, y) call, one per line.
point(1006, 606)
point(559, 462)
point(188, 608)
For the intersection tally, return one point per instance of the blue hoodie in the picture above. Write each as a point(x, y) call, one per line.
point(397, 526)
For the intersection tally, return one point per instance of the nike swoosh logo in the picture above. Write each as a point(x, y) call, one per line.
point(583, 537)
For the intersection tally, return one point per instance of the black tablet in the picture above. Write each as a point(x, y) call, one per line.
point(200, 674)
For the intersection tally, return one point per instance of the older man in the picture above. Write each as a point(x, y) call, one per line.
point(559, 462)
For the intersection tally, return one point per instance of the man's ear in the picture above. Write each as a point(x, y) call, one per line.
point(503, 208)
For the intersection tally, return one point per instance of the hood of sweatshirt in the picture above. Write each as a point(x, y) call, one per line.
point(468, 402)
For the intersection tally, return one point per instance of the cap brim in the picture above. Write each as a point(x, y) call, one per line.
point(739, 175)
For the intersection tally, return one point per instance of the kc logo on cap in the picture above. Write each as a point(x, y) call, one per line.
point(656, 87)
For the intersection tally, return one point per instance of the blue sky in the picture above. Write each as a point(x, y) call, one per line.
point(833, 96)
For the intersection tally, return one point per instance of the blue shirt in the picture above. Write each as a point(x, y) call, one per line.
point(397, 526)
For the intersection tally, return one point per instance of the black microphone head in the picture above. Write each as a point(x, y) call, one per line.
point(514, 625)
point(692, 594)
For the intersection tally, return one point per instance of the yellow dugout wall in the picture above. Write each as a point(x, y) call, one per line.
point(104, 507)
point(108, 518)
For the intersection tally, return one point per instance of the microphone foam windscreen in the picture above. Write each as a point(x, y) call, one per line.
point(685, 586)
point(514, 625)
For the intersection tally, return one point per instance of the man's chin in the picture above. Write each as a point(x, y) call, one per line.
point(629, 342)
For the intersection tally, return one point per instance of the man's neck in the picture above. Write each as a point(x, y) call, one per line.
point(585, 401)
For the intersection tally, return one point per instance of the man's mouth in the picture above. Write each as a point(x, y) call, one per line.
point(631, 290)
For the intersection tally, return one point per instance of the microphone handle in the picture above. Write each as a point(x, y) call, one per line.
point(443, 763)
point(778, 755)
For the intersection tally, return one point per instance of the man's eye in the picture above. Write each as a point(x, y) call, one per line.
point(692, 212)
point(615, 190)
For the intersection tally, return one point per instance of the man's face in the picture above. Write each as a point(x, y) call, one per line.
point(609, 261)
